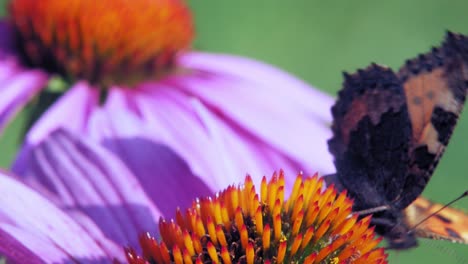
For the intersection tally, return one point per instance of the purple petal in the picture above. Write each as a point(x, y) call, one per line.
point(170, 117)
point(217, 151)
point(238, 150)
point(32, 227)
point(17, 87)
point(164, 174)
point(13, 250)
point(279, 111)
point(271, 104)
point(89, 179)
point(266, 81)
point(71, 111)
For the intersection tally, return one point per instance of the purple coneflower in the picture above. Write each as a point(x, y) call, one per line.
point(101, 209)
point(164, 117)
point(136, 89)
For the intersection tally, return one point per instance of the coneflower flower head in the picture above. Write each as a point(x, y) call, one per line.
point(314, 225)
point(85, 39)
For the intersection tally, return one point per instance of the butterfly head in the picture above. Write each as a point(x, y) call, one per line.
point(399, 237)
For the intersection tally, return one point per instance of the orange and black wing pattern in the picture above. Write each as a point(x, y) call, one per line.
point(448, 224)
point(435, 86)
point(371, 137)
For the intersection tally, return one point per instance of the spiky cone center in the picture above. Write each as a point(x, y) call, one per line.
point(314, 225)
point(105, 42)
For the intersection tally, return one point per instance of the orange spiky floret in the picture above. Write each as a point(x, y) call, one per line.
point(104, 42)
point(306, 228)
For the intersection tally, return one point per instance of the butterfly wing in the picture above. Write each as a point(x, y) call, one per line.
point(435, 86)
point(371, 135)
point(449, 224)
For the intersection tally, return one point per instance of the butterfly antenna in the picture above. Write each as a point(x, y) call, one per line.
point(465, 194)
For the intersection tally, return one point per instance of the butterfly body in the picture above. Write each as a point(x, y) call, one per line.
point(390, 130)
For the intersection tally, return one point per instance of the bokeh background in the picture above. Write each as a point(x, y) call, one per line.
point(316, 41)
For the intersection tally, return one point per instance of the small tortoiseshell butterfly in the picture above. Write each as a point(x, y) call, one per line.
point(390, 130)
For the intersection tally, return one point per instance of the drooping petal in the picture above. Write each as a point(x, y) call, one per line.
point(17, 87)
point(71, 111)
point(175, 124)
point(265, 81)
point(239, 149)
point(88, 179)
point(221, 121)
point(32, 227)
point(163, 173)
point(13, 250)
point(214, 120)
point(204, 140)
point(269, 103)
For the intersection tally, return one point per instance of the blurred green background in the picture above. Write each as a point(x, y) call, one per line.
point(316, 41)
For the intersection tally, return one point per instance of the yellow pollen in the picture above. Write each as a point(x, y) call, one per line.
point(104, 42)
